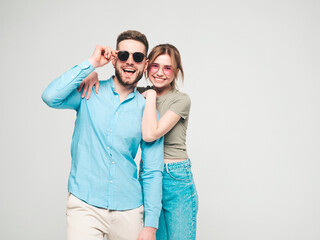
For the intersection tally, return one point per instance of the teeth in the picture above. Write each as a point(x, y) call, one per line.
point(129, 70)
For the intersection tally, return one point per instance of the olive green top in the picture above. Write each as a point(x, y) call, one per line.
point(175, 139)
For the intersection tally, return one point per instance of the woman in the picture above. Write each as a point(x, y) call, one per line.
point(180, 199)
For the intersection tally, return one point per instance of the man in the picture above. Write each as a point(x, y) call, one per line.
point(105, 196)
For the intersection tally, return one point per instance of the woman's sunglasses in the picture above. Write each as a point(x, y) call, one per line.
point(124, 55)
point(166, 69)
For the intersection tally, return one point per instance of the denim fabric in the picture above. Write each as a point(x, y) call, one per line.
point(179, 203)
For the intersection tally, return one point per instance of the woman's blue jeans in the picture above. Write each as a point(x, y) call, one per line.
point(179, 203)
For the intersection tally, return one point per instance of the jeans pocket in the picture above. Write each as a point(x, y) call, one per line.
point(180, 174)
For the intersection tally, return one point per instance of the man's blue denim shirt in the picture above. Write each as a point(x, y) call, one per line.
point(105, 141)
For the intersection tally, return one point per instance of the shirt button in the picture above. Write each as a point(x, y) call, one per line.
point(112, 162)
point(111, 181)
point(116, 113)
point(108, 148)
point(110, 130)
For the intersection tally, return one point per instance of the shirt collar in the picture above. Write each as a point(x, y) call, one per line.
point(131, 95)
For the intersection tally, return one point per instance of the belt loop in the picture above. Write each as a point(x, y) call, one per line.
point(167, 168)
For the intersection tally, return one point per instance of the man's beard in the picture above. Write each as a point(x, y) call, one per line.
point(118, 75)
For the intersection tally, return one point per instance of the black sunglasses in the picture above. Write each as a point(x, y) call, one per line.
point(124, 55)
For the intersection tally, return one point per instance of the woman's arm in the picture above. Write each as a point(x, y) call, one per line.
point(153, 129)
point(88, 83)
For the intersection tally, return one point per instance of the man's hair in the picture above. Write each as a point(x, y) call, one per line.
point(173, 52)
point(133, 35)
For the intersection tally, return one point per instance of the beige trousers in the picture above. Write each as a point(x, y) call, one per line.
point(85, 222)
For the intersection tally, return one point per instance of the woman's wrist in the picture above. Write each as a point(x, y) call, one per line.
point(151, 93)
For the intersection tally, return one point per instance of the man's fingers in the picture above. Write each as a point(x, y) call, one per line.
point(107, 54)
point(114, 52)
point(100, 50)
point(110, 53)
point(102, 55)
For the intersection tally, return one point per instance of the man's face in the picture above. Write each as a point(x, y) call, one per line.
point(129, 72)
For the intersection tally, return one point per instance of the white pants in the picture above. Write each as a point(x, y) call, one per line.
point(85, 222)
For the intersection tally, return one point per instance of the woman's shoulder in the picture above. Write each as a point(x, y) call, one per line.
point(178, 95)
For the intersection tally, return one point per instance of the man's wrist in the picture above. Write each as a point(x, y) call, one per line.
point(151, 229)
point(92, 62)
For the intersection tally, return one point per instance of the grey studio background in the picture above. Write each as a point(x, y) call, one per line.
point(251, 70)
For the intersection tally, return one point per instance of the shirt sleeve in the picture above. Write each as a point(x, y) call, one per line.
point(151, 180)
point(181, 105)
point(62, 92)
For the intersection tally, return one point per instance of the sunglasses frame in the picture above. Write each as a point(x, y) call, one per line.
point(125, 56)
point(157, 67)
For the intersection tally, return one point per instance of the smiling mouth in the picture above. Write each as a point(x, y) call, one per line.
point(159, 79)
point(128, 70)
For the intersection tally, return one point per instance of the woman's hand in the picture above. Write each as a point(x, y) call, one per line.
point(149, 92)
point(88, 83)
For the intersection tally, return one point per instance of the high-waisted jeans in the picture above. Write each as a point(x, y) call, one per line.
point(179, 203)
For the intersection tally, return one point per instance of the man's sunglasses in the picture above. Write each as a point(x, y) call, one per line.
point(137, 56)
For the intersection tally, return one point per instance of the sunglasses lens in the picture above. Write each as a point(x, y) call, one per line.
point(167, 70)
point(138, 57)
point(123, 55)
point(154, 68)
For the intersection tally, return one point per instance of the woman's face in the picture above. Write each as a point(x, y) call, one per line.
point(161, 72)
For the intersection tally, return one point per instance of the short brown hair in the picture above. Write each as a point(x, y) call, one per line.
point(173, 52)
point(133, 35)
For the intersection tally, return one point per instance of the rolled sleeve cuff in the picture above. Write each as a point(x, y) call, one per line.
point(151, 221)
point(86, 67)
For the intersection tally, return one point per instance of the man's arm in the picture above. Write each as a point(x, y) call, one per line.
point(151, 180)
point(61, 93)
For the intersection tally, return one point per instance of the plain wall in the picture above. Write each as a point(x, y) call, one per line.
point(252, 71)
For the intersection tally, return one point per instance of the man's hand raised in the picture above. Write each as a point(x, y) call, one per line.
point(101, 56)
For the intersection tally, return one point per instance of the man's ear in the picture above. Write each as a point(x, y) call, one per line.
point(146, 65)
